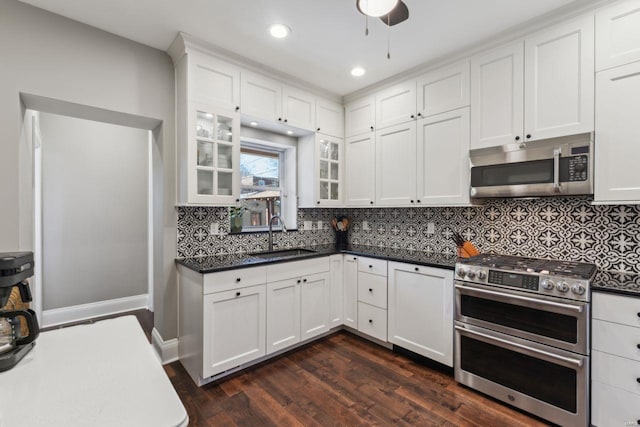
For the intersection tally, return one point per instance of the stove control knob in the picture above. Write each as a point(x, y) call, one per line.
point(562, 287)
point(578, 289)
point(461, 273)
point(471, 274)
point(482, 275)
point(548, 284)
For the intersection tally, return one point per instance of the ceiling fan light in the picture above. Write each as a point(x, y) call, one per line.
point(376, 8)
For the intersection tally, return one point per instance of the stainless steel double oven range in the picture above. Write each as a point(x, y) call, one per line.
point(522, 333)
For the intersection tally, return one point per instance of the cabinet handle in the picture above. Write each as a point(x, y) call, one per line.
point(238, 280)
point(299, 280)
point(237, 200)
point(419, 114)
point(237, 109)
point(355, 258)
point(370, 290)
point(285, 120)
point(371, 266)
point(638, 380)
point(370, 320)
point(371, 202)
point(417, 269)
point(237, 294)
point(318, 202)
point(638, 346)
point(639, 314)
point(371, 128)
point(279, 119)
point(318, 130)
point(528, 136)
point(304, 280)
point(412, 201)
point(417, 201)
point(518, 138)
point(413, 116)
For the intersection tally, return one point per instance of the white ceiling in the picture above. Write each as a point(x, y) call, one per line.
point(328, 35)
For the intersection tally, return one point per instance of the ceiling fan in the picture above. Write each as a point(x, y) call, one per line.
point(391, 12)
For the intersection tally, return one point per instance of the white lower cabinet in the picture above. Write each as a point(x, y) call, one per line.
point(314, 306)
point(372, 297)
point(350, 291)
point(234, 328)
point(372, 321)
point(335, 269)
point(283, 314)
point(615, 360)
point(421, 310)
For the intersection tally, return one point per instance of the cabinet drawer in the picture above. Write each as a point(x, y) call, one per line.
point(616, 339)
point(372, 289)
point(293, 269)
point(616, 308)
point(232, 279)
point(373, 266)
point(616, 371)
point(372, 321)
point(611, 406)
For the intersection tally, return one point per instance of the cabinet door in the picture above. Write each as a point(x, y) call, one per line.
point(329, 172)
point(298, 108)
point(396, 165)
point(443, 158)
point(360, 154)
point(213, 156)
point(618, 34)
point(214, 82)
point(443, 90)
point(350, 285)
point(329, 118)
point(234, 328)
point(336, 290)
point(497, 96)
point(421, 310)
point(618, 134)
point(559, 80)
point(360, 116)
point(261, 97)
point(283, 314)
point(396, 105)
point(315, 308)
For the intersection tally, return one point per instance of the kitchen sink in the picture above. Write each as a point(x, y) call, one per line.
point(287, 253)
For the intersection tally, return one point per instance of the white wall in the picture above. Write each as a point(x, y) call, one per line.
point(94, 211)
point(51, 56)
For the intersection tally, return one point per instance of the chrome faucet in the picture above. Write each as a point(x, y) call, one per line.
point(284, 229)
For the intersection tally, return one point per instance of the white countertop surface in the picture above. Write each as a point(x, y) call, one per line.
point(100, 374)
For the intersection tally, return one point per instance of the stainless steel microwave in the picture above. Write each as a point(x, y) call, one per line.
point(551, 167)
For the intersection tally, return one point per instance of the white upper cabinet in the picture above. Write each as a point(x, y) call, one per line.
point(329, 118)
point(214, 82)
point(396, 165)
point(396, 105)
point(320, 171)
point(298, 108)
point(261, 97)
point(559, 80)
point(618, 34)
point(360, 173)
point(497, 96)
point(360, 116)
point(618, 135)
point(443, 158)
point(442, 90)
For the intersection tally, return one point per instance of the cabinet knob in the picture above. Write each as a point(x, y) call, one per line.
point(412, 201)
point(417, 201)
point(528, 136)
point(371, 266)
point(370, 290)
point(299, 280)
point(371, 128)
point(237, 294)
point(238, 279)
point(638, 314)
point(518, 138)
point(237, 109)
point(318, 130)
point(285, 120)
point(413, 116)
point(370, 320)
point(279, 119)
point(237, 200)
point(638, 346)
point(318, 202)
point(417, 269)
point(304, 280)
point(355, 258)
point(371, 202)
point(638, 380)
point(419, 114)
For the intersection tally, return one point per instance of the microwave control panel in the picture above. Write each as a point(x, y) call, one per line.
point(574, 168)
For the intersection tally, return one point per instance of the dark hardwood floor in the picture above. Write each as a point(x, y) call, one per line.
point(342, 380)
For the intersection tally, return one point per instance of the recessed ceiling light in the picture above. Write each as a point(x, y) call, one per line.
point(358, 72)
point(289, 132)
point(377, 8)
point(254, 124)
point(279, 31)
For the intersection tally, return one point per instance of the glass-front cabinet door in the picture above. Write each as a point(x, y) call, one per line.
point(330, 166)
point(214, 156)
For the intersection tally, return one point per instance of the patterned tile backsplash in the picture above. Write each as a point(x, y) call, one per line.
point(562, 228)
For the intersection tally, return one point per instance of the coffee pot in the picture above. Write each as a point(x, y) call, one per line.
point(18, 327)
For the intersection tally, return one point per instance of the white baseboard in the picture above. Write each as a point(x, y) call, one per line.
point(76, 313)
point(167, 350)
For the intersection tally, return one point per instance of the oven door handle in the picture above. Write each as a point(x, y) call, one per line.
point(556, 169)
point(577, 308)
point(528, 349)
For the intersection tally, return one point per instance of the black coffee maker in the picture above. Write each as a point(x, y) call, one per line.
point(15, 268)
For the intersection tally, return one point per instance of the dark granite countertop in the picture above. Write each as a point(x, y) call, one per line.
point(214, 263)
point(617, 282)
